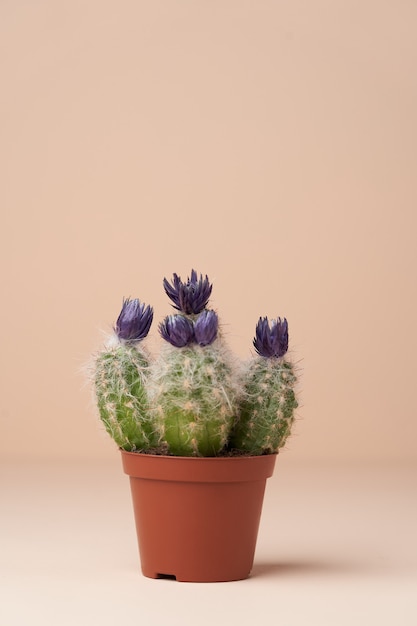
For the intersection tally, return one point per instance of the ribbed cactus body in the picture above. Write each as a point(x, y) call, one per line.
point(194, 399)
point(267, 407)
point(120, 378)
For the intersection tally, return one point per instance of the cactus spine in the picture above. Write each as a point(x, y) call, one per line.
point(267, 408)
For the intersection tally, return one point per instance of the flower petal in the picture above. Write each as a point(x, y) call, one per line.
point(134, 321)
point(190, 297)
point(177, 330)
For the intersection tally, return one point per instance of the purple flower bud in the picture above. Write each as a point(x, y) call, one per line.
point(134, 321)
point(190, 297)
point(177, 330)
point(271, 340)
point(205, 327)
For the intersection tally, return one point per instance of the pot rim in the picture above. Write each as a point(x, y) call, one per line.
point(243, 468)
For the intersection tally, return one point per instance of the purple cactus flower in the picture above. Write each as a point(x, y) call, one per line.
point(205, 327)
point(271, 340)
point(177, 330)
point(134, 321)
point(191, 296)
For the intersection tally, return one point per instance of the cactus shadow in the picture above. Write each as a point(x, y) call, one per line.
point(303, 568)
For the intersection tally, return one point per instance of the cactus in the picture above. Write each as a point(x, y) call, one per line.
point(267, 406)
point(120, 380)
point(190, 401)
point(195, 388)
point(194, 403)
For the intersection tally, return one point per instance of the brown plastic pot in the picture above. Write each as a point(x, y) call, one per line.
point(197, 518)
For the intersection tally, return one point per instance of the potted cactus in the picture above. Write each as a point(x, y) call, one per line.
point(198, 432)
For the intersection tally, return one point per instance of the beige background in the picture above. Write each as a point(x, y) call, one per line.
point(271, 145)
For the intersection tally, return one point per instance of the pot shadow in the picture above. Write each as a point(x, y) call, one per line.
point(305, 568)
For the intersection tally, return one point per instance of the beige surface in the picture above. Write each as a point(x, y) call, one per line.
point(336, 547)
point(269, 144)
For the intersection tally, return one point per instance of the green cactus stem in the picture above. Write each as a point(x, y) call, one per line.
point(194, 398)
point(267, 407)
point(120, 379)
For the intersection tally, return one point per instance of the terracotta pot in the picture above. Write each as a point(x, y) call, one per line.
point(197, 518)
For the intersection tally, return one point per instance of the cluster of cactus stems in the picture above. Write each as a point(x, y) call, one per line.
point(193, 399)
